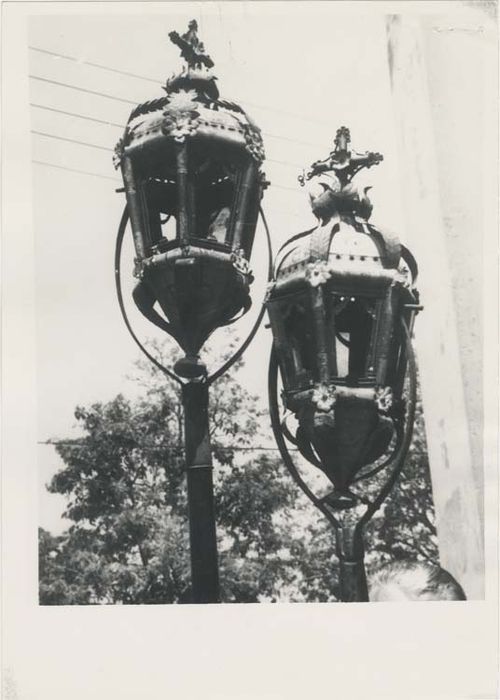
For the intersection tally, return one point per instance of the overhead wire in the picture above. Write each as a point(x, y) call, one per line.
point(65, 138)
point(255, 105)
point(79, 116)
point(76, 170)
point(163, 448)
point(80, 89)
point(107, 148)
point(117, 180)
point(82, 61)
point(122, 126)
point(109, 123)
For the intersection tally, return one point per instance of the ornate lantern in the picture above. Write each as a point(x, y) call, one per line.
point(191, 169)
point(341, 305)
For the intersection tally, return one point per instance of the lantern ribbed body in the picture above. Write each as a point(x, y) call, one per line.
point(191, 168)
point(338, 293)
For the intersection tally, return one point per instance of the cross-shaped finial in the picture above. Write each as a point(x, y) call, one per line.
point(192, 49)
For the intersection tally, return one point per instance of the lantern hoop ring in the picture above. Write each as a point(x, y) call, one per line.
point(394, 463)
point(118, 252)
point(118, 255)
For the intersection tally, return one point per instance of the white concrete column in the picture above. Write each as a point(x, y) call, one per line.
point(437, 89)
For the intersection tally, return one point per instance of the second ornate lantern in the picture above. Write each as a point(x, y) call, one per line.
point(341, 306)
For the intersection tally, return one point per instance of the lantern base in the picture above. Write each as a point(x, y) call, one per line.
point(190, 367)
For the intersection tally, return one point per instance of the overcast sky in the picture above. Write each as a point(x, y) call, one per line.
point(299, 80)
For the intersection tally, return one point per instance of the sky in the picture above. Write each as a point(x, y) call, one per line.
point(300, 75)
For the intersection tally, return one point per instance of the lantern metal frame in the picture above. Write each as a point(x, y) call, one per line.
point(193, 158)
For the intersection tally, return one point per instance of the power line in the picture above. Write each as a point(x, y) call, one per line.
point(75, 114)
point(81, 61)
point(108, 177)
point(254, 105)
point(294, 140)
point(122, 126)
point(283, 162)
point(76, 443)
point(290, 189)
point(75, 170)
point(106, 148)
point(64, 138)
point(80, 89)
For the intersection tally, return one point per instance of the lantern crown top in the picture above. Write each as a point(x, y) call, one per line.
point(192, 110)
point(333, 192)
point(197, 72)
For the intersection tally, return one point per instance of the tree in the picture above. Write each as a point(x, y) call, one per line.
point(124, 481)
point(125, 486)
point(405, 526)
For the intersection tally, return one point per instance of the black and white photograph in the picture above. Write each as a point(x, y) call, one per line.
point(250, 365)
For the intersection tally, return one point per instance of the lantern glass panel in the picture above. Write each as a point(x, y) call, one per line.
point(216, 187)
point(351, 329)
point(213, 188)
point(160, 206)
point(299, 334)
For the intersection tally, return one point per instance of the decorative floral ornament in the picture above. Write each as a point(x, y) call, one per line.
point(384, 398)
point(324, 398)
point(118, 153)
point(254, 143)
point(239, 262)
point(139, 268)
point(181, 115)
point(181, 125)
point(182, 101)
point(318, 273)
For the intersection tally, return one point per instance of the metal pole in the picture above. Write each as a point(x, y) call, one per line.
point(204, 568)
point(350, 551)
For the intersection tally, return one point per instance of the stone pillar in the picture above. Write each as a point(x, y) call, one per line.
point(438, 68)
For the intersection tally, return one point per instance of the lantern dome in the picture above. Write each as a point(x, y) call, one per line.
point(191, 165)
point(347, 249)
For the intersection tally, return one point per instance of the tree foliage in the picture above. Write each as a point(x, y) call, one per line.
point(126, 497)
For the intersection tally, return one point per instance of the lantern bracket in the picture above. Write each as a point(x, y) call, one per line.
point(118, 253)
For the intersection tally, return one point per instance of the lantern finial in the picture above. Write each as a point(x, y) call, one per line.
point(345, 163)
point(332, 191)
point(192, 49)
point(197, 74)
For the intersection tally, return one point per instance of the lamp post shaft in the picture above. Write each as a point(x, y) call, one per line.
point(203, 541)
point(350, 551)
